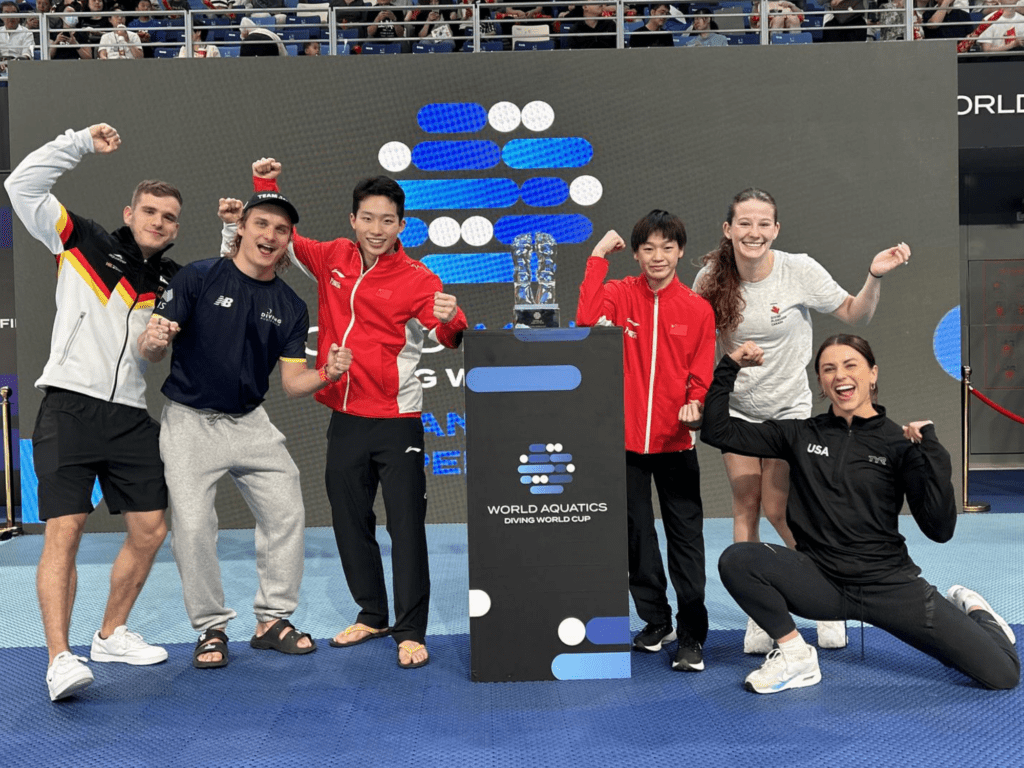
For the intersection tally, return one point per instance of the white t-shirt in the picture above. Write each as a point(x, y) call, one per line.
point(116, 47)
point(777, 318)
point(201, 51)
point(1004, 29)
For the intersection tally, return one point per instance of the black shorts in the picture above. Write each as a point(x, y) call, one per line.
point(78, 438)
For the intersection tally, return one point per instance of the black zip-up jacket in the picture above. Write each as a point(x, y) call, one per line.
point(847, 482)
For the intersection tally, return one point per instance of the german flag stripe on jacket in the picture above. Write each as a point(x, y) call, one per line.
point(106, 290)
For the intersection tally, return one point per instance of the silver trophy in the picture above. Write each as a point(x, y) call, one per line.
point(534, 307)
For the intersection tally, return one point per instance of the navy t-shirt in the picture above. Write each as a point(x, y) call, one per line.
point(234, 329)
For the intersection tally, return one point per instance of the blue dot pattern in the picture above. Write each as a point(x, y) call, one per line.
point(452, 117)
point(455, 155)
point(547, 153)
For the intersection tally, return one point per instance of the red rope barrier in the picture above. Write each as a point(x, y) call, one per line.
point(996, 407)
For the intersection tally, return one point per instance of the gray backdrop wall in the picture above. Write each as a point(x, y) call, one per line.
point(857, 143)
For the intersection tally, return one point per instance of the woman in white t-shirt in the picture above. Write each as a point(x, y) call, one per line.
point(765, 296)
point(200, 50)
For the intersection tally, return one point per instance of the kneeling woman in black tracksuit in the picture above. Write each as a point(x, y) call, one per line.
point(850, 469)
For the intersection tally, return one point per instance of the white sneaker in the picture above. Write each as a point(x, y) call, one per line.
point(127, 647)
point(777, 673)
point(67, 675)
point(965, 599)
point(832, 634)
point(756, 640)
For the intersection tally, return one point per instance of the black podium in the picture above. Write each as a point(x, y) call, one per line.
point(548, 574)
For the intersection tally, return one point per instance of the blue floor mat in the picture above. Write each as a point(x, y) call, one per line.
point(352, 707)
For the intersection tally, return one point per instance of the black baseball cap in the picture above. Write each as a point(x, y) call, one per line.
point(273, 198)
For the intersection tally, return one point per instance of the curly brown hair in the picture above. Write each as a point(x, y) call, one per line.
point(721, 284)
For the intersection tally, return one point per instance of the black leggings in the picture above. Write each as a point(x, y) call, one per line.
point(769, 582)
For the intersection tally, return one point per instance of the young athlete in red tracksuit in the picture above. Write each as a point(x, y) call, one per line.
point(380, 304)
point(668, 357)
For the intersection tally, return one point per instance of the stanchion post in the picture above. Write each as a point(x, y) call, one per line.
point(965, 415)
point(11, 528)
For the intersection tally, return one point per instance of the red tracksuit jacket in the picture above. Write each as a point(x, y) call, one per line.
point(668, 352)
point(383, 314)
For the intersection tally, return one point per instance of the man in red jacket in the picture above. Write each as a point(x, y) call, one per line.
point(668, 359)
point(377, 302)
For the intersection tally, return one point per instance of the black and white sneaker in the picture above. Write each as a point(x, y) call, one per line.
point(690, 656)
point(653, 637)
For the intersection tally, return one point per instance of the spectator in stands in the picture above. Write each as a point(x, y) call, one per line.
point(1005, 30)
point(350, 14)
point(42, 6)
point(149, 28)
point(259, 41)
point(848, 24)
point(945, 18)
point(428, 23)
point(540, 12)
point(464, 15)
point(66, 42)
point(653, 33)
point(15, 40)
point(311, 48)
point(384, 23)
point(200, 48)
point(893, 24)
point(121, 42)
point(593, 30)
point(702, 33)
point(783, 16)
point(92, 25)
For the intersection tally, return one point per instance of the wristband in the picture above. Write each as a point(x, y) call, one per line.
point(323, 375)
point(877, 277)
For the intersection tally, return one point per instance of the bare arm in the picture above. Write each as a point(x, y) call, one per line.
point(861, 308)
point(298, 380)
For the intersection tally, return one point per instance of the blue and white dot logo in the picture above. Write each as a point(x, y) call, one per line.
point(547, 469)
point(467, 223)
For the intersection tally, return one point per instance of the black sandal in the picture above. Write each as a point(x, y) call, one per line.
point(271, 640)
point(211, 641)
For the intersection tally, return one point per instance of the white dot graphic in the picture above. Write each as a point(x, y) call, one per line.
point(538, 115)
point(479, 603)
point(572, 631)
point(570, 468)
point(477, 231)
point(535, 479)
point(394, 156)
point(504, 116)
point(549, 447)
point(558, 447)
point(585, 190)
point(523, 458)
point(444, 231)
point(543, 479)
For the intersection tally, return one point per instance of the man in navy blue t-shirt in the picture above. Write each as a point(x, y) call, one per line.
point(232, 320)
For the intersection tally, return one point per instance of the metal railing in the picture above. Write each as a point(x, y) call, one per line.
point(481, 26)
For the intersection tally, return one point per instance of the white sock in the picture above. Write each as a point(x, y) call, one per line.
point(795, 648)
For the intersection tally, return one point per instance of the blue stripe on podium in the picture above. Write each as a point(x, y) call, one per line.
point(608, 630)
point(551, 334)
point(590, 666)
point(524, 378)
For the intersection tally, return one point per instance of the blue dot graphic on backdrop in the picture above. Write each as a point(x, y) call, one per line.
point(946, 343)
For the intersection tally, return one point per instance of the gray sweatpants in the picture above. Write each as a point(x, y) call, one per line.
point(197, 448)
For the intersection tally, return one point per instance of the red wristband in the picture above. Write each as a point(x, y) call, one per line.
point(323, 375)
